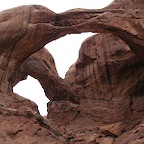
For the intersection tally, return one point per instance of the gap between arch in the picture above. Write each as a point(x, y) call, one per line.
point(32, 90)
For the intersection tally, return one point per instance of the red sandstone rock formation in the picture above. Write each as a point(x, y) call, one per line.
point(101, 99)
point(107, 76)
point(41, 66)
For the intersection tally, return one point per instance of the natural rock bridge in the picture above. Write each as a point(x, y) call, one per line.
point(103, 88)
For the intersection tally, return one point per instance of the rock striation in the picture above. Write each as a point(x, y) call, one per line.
point(100, 101)
point(107, 77)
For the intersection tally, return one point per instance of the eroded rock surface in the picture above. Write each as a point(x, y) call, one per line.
point(109, 97)
point(101, 99)
point(41, 66)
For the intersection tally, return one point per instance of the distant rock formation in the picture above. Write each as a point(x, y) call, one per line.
point(100, 101)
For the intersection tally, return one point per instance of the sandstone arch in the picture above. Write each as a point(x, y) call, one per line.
point(36, 25)
point(115, 117)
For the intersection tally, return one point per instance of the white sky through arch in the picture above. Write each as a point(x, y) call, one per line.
point(64, 50)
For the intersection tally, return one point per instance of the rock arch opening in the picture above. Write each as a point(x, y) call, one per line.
point(65, 50)
point(32, 90)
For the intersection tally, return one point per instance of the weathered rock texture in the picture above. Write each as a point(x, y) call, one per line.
point(100, 101)
point(41, 66)
point(108, 77)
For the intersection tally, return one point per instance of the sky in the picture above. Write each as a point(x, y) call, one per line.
point(64, 50)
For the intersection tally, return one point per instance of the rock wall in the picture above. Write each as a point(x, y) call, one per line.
point(108, 77)
point(100, 101)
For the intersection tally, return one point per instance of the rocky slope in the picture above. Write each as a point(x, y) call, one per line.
point(100, 101)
